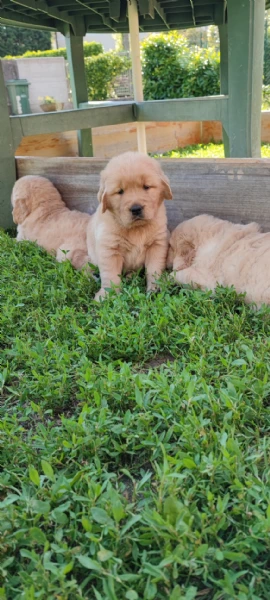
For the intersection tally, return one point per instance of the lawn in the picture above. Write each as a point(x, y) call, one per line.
point(211, 150)
point(134, 439)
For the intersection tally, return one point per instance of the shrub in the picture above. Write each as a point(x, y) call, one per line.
point(266, 97)
point(203, 77)
point(165, 63)
point(171, 69)
point(89, 48)
point(101, 71)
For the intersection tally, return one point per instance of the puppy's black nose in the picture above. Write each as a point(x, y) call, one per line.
point(136, 210)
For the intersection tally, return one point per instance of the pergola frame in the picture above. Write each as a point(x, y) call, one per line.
point(241, 27)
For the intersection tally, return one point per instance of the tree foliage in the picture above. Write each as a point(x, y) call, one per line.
point(14, 41)
point(174, 69)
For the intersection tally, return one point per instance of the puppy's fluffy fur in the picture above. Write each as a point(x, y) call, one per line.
point(43, 217)
point(206, 251)
point(129, 228)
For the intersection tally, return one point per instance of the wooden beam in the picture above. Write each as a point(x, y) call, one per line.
point(224, 75)
point(16, 19)
point(212, 108)
point(7, 160)
point(108, 22)
point(75, 56)
point(133, 22)
point(43, 7)
point(161, 13)
point(245, 47)
point(114, 8)
point(146, 7)
point(68, 120)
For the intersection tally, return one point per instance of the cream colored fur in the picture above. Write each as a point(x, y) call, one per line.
point(205, 251)
point(43, 217)
point(116, 240)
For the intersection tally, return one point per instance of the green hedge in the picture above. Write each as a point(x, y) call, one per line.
point(89, 49)
point(101, 71)
point(172, 69)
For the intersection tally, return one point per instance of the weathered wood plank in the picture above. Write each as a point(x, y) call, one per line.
point(235, 189)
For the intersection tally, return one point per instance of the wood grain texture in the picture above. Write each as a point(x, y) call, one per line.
point(234, 189)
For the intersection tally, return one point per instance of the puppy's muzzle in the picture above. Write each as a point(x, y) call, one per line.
point(136, 211)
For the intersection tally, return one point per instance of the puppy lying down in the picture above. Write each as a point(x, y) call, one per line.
point(205, 251)
point(129, 228)
point(43, 217)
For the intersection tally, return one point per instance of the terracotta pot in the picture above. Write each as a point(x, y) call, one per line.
point(48, 107)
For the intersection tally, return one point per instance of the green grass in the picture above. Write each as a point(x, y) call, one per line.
point(134, 439)
point(211, 150)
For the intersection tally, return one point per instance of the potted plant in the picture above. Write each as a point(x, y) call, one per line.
point(47, 103)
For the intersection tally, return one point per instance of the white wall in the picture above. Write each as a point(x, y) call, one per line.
point(106, 39)
point(47, 77)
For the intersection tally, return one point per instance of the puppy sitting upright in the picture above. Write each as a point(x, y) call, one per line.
point(43, 217)
point(129, 228)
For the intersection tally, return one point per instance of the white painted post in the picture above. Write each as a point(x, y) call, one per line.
point(136, 68)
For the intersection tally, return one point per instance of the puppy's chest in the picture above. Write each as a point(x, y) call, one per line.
point(133, 252)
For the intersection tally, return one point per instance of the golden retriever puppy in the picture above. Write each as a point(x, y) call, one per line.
point(43, 217)
point(205, 251)
point(129, 228)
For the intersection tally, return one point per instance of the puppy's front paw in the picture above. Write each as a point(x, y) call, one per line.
point(100, 295)
point(152, 288)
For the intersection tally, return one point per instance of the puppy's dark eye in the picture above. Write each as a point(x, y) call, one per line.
point(146, 187)
point(120, 192)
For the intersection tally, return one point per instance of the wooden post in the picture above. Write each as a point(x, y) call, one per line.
point(7, 160)
point(136, 68)
point(224, 87)
point(245, 71)
point(75, 57)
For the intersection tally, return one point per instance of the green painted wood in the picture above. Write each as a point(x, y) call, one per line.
point(46, 9)
point(68, 120)
point(224, 78)
point(7, 160)
point(9, 17)
point(111, 15)
point(75, 58)
point(245, 43)
point(212, 108)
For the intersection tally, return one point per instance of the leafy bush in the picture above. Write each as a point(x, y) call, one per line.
point(171, 69)
point(16, 40)
point(266, 97)
point(101, 71)
point(89, 48)
point(203, 75)
point(165, 63)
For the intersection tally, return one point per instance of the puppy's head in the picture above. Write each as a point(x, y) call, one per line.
point(181, 251)
point(132, 187)
point(32, 192)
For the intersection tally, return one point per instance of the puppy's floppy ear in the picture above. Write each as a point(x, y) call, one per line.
point(166, 190)
point(20, 211)
point(102, 194)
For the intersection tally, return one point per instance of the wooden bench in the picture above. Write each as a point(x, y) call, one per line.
point(234, 189)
